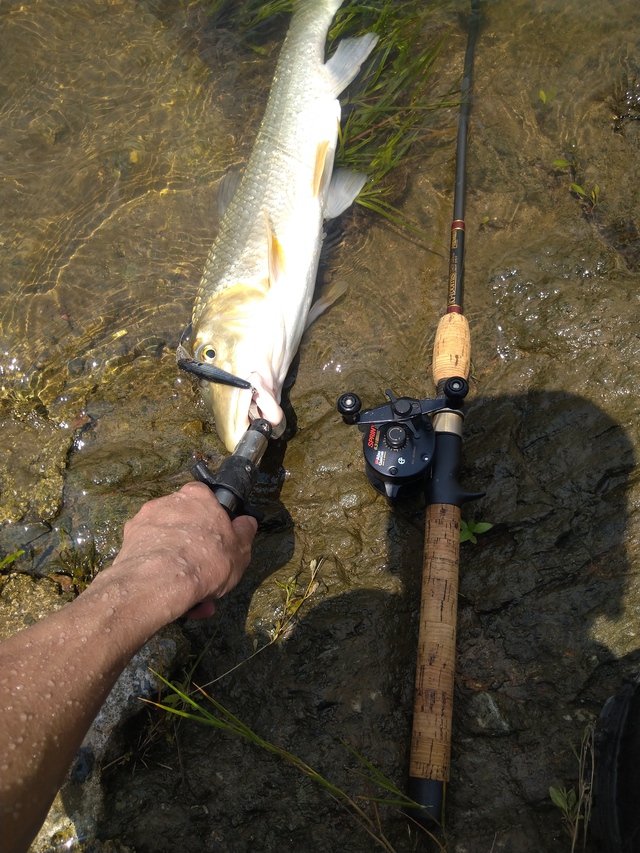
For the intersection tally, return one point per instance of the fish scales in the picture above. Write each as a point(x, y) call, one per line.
point(269, 182)
point(258, 281)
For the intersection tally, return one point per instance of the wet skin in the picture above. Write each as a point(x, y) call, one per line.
point(180, 553)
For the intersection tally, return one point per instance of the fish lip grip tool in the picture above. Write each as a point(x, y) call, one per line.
point(234, 480)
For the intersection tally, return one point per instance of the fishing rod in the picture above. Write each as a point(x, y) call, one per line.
point(411, 445)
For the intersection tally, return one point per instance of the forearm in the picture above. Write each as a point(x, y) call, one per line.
point(54, 677)
point(178, 551)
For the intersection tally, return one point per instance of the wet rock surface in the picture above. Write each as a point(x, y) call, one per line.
point(95, 420)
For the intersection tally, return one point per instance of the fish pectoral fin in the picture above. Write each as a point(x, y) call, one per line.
point(343, 190)
point(345, 63)
point(320, 166)
point(227, 189)
point(275, 254)
point(330, 295)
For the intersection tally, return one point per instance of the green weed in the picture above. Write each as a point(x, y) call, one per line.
point(569, 160)
point(296, 594)
point(576, 806)
point(470, 529)
point(9, 559)
point(589, 199)
point(388, 111)
point(562, 163)
point(250, 18)
point(363, 808)
point(80, 564)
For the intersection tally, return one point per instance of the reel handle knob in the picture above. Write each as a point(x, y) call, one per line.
point(455, 390)
point(349, 406)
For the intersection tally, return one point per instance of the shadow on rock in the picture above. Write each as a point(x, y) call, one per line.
point(546, 633)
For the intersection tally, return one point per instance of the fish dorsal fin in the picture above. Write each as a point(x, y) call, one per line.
point(275, 254)
point(345, 63)
point(320, 166)
point(227, 189)
point(343, 190)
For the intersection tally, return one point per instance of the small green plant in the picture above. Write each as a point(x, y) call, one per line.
point(9, 559)
point(80, 564)
point(562, 162)
point(590, 198)
point(570, 159)
point(546, 97)
point(295, 596)
point(566, 800)
point(576, 806)
point(470, 529)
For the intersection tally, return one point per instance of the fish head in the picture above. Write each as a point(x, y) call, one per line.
point(233, 335)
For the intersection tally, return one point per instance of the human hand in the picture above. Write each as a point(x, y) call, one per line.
point(189, 547)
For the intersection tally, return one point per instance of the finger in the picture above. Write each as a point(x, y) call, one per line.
point(195, 488)
point(245, 527)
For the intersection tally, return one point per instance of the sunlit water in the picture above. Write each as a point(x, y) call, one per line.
point(118, 119)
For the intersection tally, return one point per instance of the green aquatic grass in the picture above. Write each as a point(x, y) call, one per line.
point(9, 559)
point(389, 110)
point(80, 564)
point(181, 704)
point(250, 18)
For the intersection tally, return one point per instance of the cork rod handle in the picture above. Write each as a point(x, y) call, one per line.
point(451, 348)
point(435, 667)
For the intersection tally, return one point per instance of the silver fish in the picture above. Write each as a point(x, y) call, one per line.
point(255, 294)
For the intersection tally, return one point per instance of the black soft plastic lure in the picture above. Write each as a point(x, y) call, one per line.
point(205, 371)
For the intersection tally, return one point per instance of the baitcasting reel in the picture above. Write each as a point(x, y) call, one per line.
point(399, 440)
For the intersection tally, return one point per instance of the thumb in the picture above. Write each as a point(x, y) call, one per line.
point(245, 527)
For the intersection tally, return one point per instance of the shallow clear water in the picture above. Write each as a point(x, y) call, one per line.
point(118, 120)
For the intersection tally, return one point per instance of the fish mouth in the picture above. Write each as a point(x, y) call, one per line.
point(234, 418)
point(234, 409)
point(265, 405)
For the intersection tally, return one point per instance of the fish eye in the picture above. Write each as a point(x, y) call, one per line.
point(208, 352)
